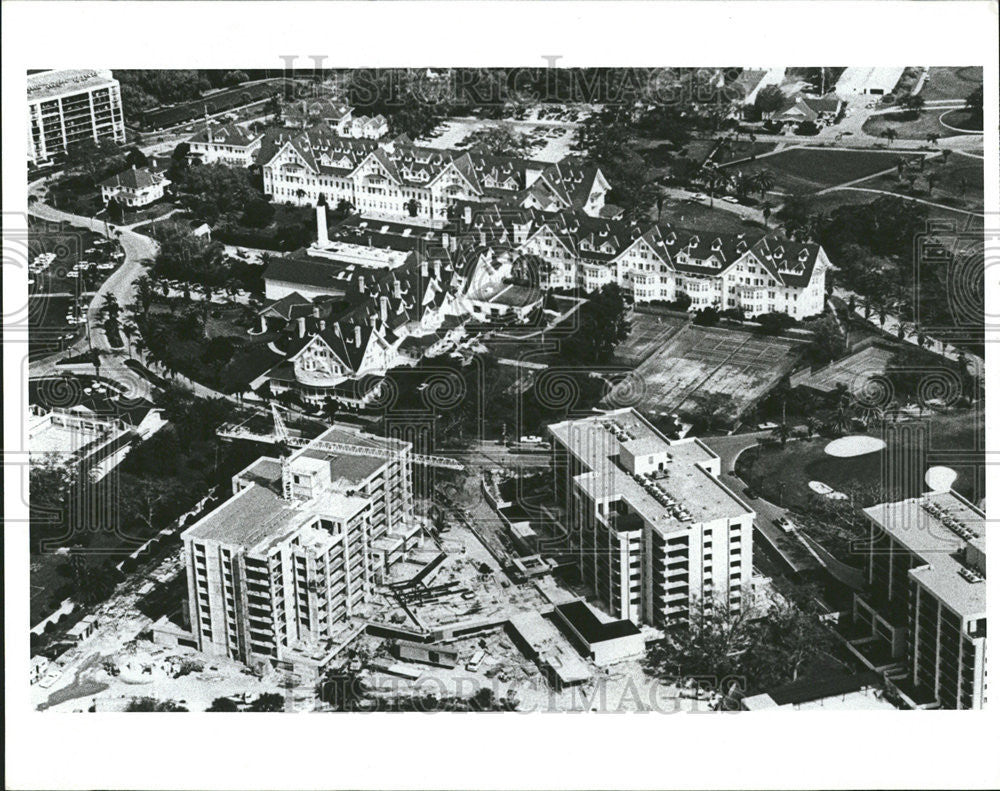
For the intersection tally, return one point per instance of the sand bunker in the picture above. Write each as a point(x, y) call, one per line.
point(940, 479)
point(860, 445)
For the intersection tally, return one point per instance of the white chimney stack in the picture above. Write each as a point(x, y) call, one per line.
point(357, 335)
point(385, 308)
point(322, 239)
point(361, 283)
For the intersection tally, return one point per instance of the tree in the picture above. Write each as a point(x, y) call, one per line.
point(769, 100)
point(889, 134)
point(711, 407)
point(268, 701)
point(913, 102)
point(152, 704)
point(502, 140)
point(782, 432)
point(223, 704)
point(144, 292)
point(763, 181)
point(974, 106)
point(602, 327)
point(828, 342)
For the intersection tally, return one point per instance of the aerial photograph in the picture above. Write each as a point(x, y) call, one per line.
point(510, 390)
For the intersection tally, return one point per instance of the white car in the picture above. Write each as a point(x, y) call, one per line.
point(785, 524)
point(729, 199)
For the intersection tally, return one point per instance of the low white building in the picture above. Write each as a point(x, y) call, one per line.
point(868, 80)
point(229, 144)
point(134, 187)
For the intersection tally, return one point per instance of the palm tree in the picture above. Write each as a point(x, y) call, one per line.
point(129, 330)
point(889, 134)
point(904, 330)
point(933, 137)
point(714, 178)
point(95, 359)
point(763, 181)
point(843, 418)
point(782, 432)
point(766, 212)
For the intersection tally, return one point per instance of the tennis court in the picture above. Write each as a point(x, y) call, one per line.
point(697, 360)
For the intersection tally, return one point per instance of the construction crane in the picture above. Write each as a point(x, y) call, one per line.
point(283, 436)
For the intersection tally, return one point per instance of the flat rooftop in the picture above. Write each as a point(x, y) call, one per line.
point(597, 442)
point(345, 466)
point(929, 526)
point(246, 519)
point(58, 82)
point(59, 434)
point(266, 471)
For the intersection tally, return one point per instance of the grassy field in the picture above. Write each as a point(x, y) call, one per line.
point(957, 182)
point(705, 219)
point(814, 169)
point(786, 472)
point(917, 129)
point(734, 362)
point(831, 200)
point(743, 149)
point(951, 82)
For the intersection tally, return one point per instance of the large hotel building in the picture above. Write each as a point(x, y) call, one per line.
point(654, 530)
point(923, 617)
point(275, 570)
point(68, 106)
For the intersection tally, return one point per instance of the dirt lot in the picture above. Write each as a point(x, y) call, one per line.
point(712, 359)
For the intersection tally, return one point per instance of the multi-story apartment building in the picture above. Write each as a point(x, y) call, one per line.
point(68, 106)
point(398, 180)
point(229, 143)
point(275, 570)
point(654, 530)
point(760, 274)
point(923, 615)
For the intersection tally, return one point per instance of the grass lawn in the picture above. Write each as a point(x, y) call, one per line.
point(707, 220)
point(961, 119)
point(951, 82)
point(784, 473)
point(957, 182)
point(814, 169)
point(743, 149)
point(924, 124)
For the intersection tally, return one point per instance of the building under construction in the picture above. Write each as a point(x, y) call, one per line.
point(275, 570)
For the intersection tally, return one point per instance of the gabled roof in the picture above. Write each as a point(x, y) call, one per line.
point(227, 134)
point(285, 307)
point(789, 262)
point(135, 178)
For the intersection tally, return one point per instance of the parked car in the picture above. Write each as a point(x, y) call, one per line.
point(785, 524)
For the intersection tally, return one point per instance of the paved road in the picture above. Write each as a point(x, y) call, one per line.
point(139, 250)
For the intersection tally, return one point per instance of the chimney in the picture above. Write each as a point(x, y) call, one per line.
point(322, 325)
point(133, 166)
point(322, 239)
point(467, 214)
point(361, 283)
point(357, 335)
point(397, 288)
point(302, 326)
point(423, 268)
point(384, 304)
point(336, 329)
